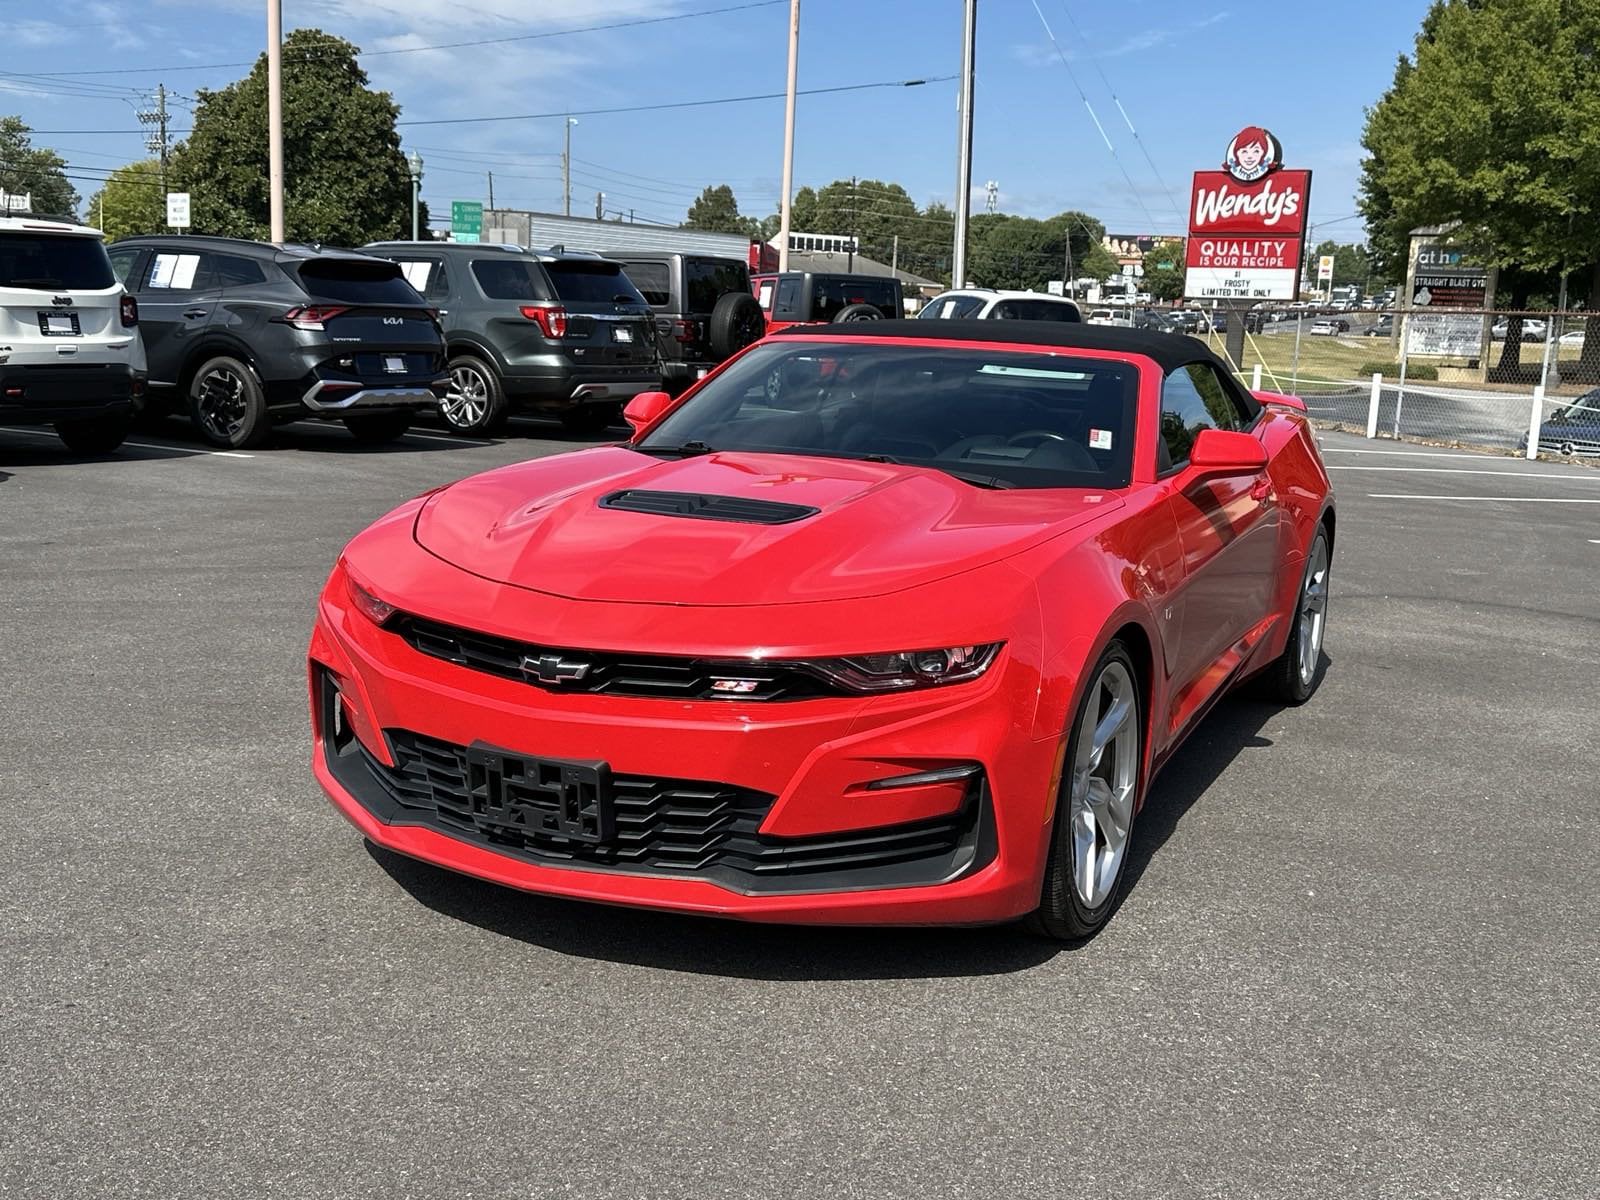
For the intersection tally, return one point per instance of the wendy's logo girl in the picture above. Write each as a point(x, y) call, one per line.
point(1252, 154)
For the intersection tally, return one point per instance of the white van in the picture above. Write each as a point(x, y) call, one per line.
point(70, 351)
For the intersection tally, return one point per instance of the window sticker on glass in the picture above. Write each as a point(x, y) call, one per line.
point(1099, 439)
point(173, 270)
point(417, 274)
point(766, 295)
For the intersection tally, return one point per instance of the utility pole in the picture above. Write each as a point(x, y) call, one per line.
point(894, 259)
point(275, 116)
point(566, 169)
point(1068, 281)
point(969, 45)
point(854, 235)
point(786, 202)
point(491, 191)
point(156, 141)
point(599, 206)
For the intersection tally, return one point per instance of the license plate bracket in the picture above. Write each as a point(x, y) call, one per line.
point(59, 324)
point(542, 797)
point(394, 364)
point(622, 334)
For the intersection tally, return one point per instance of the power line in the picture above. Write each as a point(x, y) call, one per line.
point(520, 37)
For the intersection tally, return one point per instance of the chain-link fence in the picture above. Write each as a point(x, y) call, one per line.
point(1463, 378)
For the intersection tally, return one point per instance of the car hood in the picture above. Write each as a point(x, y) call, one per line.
point(877, 528)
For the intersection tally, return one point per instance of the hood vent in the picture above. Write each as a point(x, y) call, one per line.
point(700, 507)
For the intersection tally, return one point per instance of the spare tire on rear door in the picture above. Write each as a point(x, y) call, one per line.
point(736, 321)
point(859, 312)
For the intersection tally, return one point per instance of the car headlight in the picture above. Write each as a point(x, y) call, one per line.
point(375, 610)
point(903, 669)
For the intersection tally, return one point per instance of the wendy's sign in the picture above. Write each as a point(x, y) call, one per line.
point(1247, 224)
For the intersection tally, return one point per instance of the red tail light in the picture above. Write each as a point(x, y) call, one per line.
point(685, 331)
point(311, 316)
point(130, 312)
point(551, 318)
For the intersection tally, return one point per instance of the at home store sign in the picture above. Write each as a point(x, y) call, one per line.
point(1247, 224)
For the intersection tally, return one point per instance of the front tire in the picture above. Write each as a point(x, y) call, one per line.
point(95, 435)
point(476, 404)
point(228, 404)
point(1295, 676)
point(1102, 784)
point(376, 429)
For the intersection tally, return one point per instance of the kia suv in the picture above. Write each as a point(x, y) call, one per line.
point(246, 335)
point(70, 354)
point(553, 331)
point(703, 306)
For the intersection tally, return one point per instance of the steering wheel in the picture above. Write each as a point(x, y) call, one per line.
point(1034, 437)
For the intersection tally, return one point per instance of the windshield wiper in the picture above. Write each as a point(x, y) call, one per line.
point(689, 449)
point(983, 481)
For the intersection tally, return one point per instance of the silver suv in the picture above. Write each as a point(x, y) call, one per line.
point(70, 352)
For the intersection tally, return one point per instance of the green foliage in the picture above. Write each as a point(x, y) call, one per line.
point(25, 170)
point(716, 211)
point(131, 202)
point(345, 180)
point(1164, 267)
point(1351, 263)
point(1391, 370)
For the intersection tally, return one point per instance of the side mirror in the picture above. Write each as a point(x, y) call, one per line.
point(1224, 452)
point(644, 408)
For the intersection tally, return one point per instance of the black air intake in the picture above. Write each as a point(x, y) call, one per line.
point(700, 507)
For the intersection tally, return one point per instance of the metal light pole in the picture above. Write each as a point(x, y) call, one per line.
point(275, 116)
point(566, 169)
point(786, 203)
point(969, 45)
point(414, 165)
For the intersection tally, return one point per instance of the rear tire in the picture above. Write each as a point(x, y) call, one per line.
point(858, 312)
point(736, 322)
point(1295, 675)
point(1102, 786)
point(228, 405)
point(476, 404)
point(589, 418)
point(376, 429)
point(95, 435)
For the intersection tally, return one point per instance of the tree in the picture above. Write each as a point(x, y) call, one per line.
point(1164, 267)
point(716, 211)
point(26, 171)
point(1495, 127)
point(345, 180)
point(131, 202)
point(1351, 263)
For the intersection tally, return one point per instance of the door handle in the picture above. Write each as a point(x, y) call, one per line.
point(1261, 489)
point(196, 313)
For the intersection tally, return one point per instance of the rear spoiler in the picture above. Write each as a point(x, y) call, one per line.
point(1281, 400)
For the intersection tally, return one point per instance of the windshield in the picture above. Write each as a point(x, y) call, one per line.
point(51, 263)
point(950, 307)
point(1585, 410)
point(993, 417)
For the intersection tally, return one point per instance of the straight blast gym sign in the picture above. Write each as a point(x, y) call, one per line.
point(1247, 224)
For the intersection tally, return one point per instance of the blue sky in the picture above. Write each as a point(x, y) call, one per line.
point(1189, 73)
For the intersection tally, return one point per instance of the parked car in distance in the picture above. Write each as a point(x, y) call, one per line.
point(986, 304)
point(815, 297)
point(1382, 327)
point(70, 351)
point(1573, 430)
point(245, 335)
point(1104, 316)
point(1533, 329)
point(704, 309)
point(1329, 326)
point(556, 332)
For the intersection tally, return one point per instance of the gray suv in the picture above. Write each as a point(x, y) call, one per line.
point(553, 331)
point(704, 310)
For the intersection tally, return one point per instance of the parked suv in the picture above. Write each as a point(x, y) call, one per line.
point(988, 304)
point(244, 335)
point(809, 297)
point(70, 354)
point(704, 310)
point(555, 331)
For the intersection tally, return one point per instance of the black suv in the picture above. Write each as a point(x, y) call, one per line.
point(704, 310)
point(810, 297)
point(555, 331)
point(244, 335)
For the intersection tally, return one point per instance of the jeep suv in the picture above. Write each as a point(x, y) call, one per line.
point(70, 354)
point(245, 335)
point(704, 310)
point(555, 331)
point(810, 297)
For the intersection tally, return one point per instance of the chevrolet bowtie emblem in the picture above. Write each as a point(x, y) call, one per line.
point(552, 668)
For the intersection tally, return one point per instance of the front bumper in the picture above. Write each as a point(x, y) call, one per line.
point(31, 395)
point(757, 811)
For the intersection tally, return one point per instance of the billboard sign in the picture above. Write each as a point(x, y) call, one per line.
point(1459, 335)
point(1442, 280)
point(1247, 224)
point(1325, 269)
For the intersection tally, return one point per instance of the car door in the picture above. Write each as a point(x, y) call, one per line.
point(1227, 527)
point(178, 296)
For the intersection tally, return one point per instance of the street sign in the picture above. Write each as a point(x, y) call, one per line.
point(1325, 269)
point(466, 220)
point(15, 201)
point(1055, 287)
point(178, 210)
point(1247, 224)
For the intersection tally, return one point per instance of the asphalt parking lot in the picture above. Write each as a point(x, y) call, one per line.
point(1358, 957)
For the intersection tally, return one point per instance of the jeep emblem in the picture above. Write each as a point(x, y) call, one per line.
point(61, 301)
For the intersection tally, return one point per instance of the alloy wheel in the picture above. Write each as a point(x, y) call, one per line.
point(1313, 613)
point(468, 399)
point(220, 402)
point(1105, 780)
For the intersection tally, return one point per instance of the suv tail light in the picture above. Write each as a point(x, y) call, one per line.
point(551, 318)
point(686, 331)
point(130, 312)
point(311, 316)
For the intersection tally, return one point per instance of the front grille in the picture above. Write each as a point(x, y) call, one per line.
point(609, 673)
point(702, 507)
point(676, 827)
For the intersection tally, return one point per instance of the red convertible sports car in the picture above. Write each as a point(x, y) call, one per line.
point(881, 623)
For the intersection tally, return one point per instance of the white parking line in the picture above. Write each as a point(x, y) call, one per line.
point(1588, 478)
point(454, 441)
point(1487, 499)
point(141, 445)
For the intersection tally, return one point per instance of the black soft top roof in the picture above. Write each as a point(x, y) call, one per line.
point(1169, 350)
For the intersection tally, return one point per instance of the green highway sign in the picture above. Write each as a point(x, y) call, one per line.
point(466, 220)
